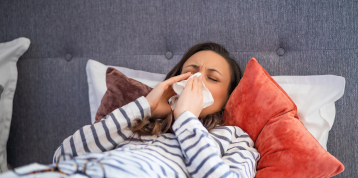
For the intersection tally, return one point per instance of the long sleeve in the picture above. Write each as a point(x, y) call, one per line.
point(201, 153)
point(241, 156)
point(106, 134)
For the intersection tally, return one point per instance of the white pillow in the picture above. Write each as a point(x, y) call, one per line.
point(9, 55)
point(314, 96)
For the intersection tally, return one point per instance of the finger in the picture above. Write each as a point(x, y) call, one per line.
point(195, 83)
point(169, 93)
point(200, 84)
point(189, 84)
point(177, 78)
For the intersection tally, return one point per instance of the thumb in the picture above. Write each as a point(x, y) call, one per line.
point(169, 93)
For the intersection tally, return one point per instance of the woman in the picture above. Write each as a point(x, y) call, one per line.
point(145, 138)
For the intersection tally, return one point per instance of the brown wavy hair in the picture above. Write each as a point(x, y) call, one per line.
point(155, 126)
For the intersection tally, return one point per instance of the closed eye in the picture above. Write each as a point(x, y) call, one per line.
point(208, 77)
point(212, 79)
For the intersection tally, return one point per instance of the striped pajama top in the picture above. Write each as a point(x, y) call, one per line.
point(225, 151)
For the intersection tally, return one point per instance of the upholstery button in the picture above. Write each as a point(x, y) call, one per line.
point(68, 56)
point(169, 55)
point(280, 51)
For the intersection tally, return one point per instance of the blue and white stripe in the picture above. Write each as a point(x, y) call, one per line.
point(225, 151)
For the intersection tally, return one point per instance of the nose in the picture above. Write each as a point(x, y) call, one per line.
point(203, 74)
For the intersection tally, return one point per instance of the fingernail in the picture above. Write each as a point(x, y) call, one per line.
point(201, 77)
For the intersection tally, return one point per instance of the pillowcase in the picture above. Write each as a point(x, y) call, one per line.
point(260, 107)
point(9, 55)
point(121, 90)
point(313, 95)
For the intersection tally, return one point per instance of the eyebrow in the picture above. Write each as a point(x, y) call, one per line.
point(195, 66)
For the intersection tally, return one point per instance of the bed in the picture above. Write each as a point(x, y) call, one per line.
point(288, 38)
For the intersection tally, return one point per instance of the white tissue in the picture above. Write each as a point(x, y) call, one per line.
point(179, 87)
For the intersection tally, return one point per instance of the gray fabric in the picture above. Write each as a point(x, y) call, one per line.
point(1, 90)
point(51, 99)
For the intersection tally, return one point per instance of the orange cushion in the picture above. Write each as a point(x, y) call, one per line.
point(260, 107)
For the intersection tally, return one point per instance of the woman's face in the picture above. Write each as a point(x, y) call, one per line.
point(216, 77)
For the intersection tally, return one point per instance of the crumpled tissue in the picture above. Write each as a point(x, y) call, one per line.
point(178, 88)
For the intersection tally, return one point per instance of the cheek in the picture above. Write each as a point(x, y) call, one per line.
point(219, 94)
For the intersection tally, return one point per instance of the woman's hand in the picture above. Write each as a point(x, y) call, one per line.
point(159, 96)
point(191, 98)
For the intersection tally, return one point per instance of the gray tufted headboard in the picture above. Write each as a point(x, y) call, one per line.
point(290, 37)
point(1, 90)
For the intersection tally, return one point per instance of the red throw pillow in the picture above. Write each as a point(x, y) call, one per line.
point(260, 107)
point(121, 90)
